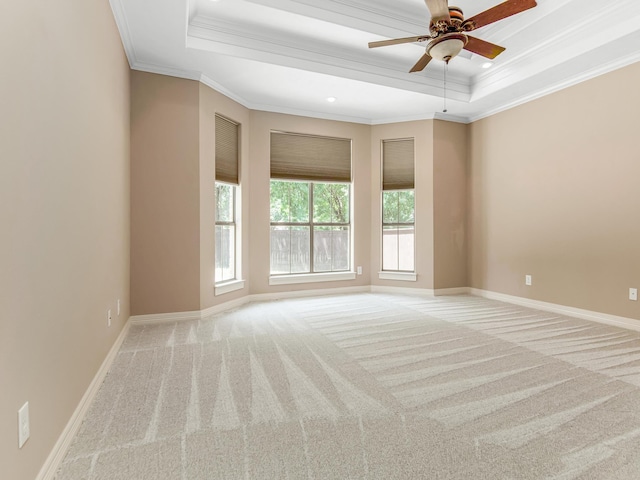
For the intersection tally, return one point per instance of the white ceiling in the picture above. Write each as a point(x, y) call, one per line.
point(288, 56)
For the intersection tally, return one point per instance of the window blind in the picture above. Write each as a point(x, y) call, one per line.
point(226, 150)
point(398, 164)
point(311, 158)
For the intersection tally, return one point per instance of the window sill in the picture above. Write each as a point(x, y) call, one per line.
point(311, 278)
point(230, 286)
point(402, 276)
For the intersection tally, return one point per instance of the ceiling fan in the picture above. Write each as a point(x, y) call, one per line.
point(448, 31)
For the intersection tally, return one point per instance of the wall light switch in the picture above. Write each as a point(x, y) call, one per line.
point(633, 294)
point(24, 430)
point(109, 318)
point(118, 308)
point(359, 270)
point(527, 279)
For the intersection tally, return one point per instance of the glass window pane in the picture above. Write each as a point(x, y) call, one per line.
point(406, 249)
point(225, 253)
point(330, 249)
point(280, 201)
point(340, 203)
point(322, 249)
point(389, 248)
point(340, 249)
point(289, 249)
point(224, 202)
point(280, 250)
point(299, 200)
point(406, 206)
point(390, 207)
point(321, 203)
point(300, 249)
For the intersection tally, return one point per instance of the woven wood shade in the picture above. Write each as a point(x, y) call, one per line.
point(226, 150)
point(310, 158)
point(398, 164)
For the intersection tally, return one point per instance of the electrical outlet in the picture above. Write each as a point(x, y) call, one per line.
point(109, 318)
point(118, 308)
point(527, 280)
point(359, 270)
point(633, 294)
point(24, 430)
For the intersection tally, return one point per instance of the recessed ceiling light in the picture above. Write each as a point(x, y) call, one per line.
point(487, 65)
point(331, 99)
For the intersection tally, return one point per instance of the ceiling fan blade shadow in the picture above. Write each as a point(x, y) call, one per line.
point(423, 62)
point(397, 41)
point(503, 10)
point(483, 48)
point(439, 9)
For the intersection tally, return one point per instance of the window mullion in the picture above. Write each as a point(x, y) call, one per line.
point(311, 230)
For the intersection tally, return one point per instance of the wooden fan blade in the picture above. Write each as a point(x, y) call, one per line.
point(423, 62)
point(396, 41)
point(484, 48)
point(503, 10)
point(439, 9)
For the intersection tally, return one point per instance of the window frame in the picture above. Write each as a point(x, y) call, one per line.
point(397, 225)
point(233, 223)
point(311, 275)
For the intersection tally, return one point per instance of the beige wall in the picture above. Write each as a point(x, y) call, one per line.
point(261, 125)
point(422, 133)
point(165, 194)
point(450, 171)
point(554, 193)
point(64, 211)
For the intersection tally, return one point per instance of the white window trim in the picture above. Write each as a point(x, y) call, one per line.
point(237, 248)
point(402, 276)
point(227, 287)
point(311, 278)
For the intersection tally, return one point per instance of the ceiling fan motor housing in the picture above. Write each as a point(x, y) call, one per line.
point(453, 24)
point(456, 15)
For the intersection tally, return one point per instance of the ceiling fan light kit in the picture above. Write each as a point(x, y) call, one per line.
point(448, 31)
point(447, 46)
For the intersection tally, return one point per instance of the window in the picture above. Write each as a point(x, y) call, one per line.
point(398, 230)
point(310, 206)
point(225, 232)
point(398, 206)
point(310, 227)
point(227, 188)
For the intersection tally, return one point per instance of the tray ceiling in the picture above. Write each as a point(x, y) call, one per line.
point(289, 56)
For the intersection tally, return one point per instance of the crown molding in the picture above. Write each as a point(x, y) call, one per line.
point(354, 14)
point(168, 71)
point(124, 30)
point(569, 82)
point(556, 49)
point(226, 38)
point(209, 82)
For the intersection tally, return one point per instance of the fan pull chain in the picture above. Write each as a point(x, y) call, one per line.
point(446, 67)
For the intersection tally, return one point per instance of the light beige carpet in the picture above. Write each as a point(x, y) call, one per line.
point(367, 386)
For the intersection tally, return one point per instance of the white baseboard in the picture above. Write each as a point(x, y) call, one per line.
point(624, 322)
point(411, 291)
point(451, 291)
point(165, 317)
point(259, 297)
point(230, 305)
point(54, 460)
point(223, 307)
